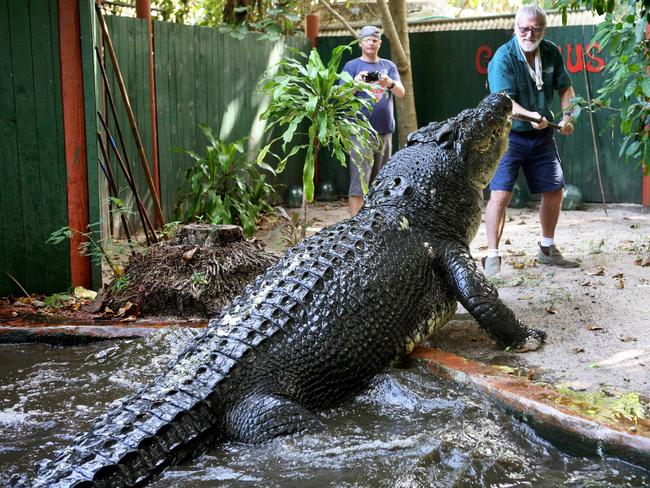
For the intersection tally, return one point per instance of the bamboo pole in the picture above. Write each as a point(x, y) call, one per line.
point(134, 127)
point(593, 131)
point(106, 169)
point(146, 223)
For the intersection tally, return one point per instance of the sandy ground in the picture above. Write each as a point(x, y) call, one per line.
point(597, 316)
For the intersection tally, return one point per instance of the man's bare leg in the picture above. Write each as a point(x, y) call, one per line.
point(495, 216)
point(549, 212)
point(355, 203)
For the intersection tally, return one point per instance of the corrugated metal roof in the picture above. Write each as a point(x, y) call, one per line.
point(504, 21)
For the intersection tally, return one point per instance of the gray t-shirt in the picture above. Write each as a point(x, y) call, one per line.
point(381, 118)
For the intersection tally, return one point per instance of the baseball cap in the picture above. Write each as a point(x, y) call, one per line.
point(370, 30)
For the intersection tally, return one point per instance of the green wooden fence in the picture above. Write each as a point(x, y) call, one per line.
point(33, 200)
point(206, 77)
point(202, 76)
point(449, 76)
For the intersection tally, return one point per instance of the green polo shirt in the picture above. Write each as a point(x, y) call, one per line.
point(507, 72)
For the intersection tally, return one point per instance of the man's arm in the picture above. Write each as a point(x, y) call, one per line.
point(518, 109)
point(565, 102)
point(395, 86)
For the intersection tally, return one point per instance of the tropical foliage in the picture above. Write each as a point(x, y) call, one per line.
point(237, 16)
point(627, 86)
point(223, 186)
point(310, 96)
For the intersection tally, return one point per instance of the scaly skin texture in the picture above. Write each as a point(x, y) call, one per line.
point(331, 314)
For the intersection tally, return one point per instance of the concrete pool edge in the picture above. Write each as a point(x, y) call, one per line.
point(536, 405)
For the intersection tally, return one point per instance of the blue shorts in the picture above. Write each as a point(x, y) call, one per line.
point(536, 154)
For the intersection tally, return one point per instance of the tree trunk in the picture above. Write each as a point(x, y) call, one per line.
point(396, 29)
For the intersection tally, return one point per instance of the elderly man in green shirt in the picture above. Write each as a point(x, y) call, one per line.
point(529, 69)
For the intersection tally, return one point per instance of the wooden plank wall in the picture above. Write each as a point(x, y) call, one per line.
point(204, 76)
point(448, 77)
point(33, 201)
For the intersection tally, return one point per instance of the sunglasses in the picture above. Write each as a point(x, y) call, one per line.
point(535, 30)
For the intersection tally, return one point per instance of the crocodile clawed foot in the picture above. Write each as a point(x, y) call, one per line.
point(532, 341)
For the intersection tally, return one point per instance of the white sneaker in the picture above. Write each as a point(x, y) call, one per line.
point(491, 266)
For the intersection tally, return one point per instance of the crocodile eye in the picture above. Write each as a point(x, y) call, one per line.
point(409, 192)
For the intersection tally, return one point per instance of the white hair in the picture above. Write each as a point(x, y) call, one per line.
point(532, 11)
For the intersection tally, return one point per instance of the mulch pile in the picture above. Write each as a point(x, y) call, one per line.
point(193, 275)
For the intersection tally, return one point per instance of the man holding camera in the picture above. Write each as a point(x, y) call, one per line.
point(383, 75)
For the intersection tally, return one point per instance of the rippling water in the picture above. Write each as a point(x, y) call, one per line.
point(409, 430)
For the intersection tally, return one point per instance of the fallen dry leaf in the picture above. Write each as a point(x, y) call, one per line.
point(599, 272)
point(594, 328)
point(526, 297)
point(506, 369)
point(645, 261)
point(621, 280)
point(507, 242)
point(585, 283)
point(518, 264)
point(188, 255)
point(84, 294)
point(551, 310)
point(627, 338)
point(129, 309)
point(578, 350)
point(482, 248)
point(531, 374)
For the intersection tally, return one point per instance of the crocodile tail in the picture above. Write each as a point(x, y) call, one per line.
point(169, 421)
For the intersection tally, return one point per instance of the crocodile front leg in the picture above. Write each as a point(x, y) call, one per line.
point(481, 299)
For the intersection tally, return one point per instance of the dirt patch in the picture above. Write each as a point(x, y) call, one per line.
point(597, 316)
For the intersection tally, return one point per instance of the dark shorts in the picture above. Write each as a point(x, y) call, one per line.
point(536, 154)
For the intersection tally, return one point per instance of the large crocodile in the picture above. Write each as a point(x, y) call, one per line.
point(331, 314)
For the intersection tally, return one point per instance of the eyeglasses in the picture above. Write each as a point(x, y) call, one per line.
point(535, 30)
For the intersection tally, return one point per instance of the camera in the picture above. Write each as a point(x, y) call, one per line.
point(372, 76)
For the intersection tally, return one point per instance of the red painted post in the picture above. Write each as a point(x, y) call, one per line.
point(311, 28)
point(645, 182)
point(143, 11)
point(74, 130)
point(311, 31)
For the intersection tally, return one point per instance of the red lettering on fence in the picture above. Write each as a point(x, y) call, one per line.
point(576, 58)
point(483, 52)
point(577, 65)
point(599, 62)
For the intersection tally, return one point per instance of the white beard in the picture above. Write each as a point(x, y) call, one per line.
point(529, 47)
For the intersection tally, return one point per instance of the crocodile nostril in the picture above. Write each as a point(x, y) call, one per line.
point(397, 181)
point(386, 193)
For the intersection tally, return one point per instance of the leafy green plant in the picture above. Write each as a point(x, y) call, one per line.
point(310, 94)
point(57, 300)
point(293, 229)
point(107, 250)
point(119, 283)
point(626, 90)
point(223, 186)
point(199, 278)
point(278, 21)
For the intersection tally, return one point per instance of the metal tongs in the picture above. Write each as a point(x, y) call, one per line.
point(527, 118)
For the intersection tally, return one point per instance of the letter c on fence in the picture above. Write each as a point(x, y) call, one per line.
point(483, 52)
